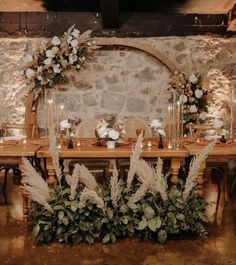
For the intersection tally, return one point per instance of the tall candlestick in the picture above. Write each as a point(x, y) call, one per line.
point(61, 114)
point(50, 113)
point(178, 117)
point(169, 120)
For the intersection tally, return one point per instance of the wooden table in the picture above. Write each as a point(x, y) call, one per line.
point(220, 154)
point(11, 154)
point(121, 152)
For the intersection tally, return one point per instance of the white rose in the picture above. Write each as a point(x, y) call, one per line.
point(198, 93)
point(48, 61)
point(217, 124)
point(193, 109)
point(56, 41)
point(202, 116)
point(102, 132)
point(193, 79)
point(28, 58)
point(74, 43)
point(75, 33)
point(114, 135)
point(30, 73)
point(56, 69)
point(50, 54)
point(74, 50)
point(156, 124)
point(183, 99)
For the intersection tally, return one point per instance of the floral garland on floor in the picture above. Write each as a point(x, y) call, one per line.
point(193, 96)
point(84, 211)
point(46, 67)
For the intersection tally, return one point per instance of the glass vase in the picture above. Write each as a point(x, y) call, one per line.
point(49, 101)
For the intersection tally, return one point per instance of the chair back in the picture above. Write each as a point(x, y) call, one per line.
point(134, 123)
point(200, 130)
point(28, 129)
point(86, 129)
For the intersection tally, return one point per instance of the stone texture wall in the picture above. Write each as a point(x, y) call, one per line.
point(123, 83)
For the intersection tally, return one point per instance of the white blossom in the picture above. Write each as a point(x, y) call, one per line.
point(102, 123)
point(30, 73)
point(72, 58)
point(155, 124)
point(161, 132)
point(48, 61)
point(74, 43)
point(75, 33)
point(217, 124)
point(183, 99)
point(50, 54)
point(102, 132)
point(224, 132)
point(64, 124)
point(69, 39)
point(74, 50)
point(193, 79)
point(202, 116)
point(56, 69)
point(193, 109)
point(114, 135)
point(56, 41)
point(198, 93)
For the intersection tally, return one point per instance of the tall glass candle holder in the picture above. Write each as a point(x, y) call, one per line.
point(49, 109)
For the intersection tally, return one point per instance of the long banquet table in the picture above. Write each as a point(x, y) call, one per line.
point(120, 152)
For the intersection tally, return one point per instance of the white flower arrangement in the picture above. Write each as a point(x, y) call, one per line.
point(217, 123)
point(156, 126)
point(109, 134)
point(192, 95)
point(65, 125)
point(47, 65)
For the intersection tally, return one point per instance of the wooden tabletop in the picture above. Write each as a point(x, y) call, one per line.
point(118, 152)
point(18, 150)
point(219, 149)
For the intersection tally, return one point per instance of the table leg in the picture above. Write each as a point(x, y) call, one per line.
point(200, 179)
point(51, 179)
point(175, 166)
point(25, 197)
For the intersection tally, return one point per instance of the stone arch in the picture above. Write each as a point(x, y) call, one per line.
point(31, 105)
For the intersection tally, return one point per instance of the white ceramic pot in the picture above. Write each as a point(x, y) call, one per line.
point(111, 144)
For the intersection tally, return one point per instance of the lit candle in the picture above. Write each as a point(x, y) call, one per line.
point(61, 114)
point(78, 144)
point(50, 102)
point(169, 120)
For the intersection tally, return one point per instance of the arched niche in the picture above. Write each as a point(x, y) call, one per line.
point(31, 103)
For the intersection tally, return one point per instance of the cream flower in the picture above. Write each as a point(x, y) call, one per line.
point(102, 123)
point(30, 73)
point(56, 41)
point(50, 54)
point(64, 125)
point(198, 93)
point(183, 99)
point(75, 33)
point(48, 61)
point(55, 50)
point(217, 124)
point(69, 39)
point(155, 124)
point(161, 132)
point(114, 135)
point(74, 43)
point(202, 116)
point(193, 109)
point(72, 58)
point(193, 79)
point(102, 132)
point(56, 69)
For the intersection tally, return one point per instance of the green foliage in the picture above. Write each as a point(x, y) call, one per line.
point(148, 218)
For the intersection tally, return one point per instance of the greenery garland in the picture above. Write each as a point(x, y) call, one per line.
point(46, 67)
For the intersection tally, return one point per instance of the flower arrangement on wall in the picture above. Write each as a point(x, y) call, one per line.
point(85, 211)
point(46, 67)
point(193, 96)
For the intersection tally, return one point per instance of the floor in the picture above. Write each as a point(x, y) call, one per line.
point(18, 248)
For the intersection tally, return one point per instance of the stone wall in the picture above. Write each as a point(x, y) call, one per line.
point(123, 83)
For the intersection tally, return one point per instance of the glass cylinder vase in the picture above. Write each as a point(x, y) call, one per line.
point(49, 101)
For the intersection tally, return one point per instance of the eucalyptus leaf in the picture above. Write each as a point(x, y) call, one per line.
point(60, 215)
point(124, 220)
point(142, 225)
point(36, 230)
point(68, 179)
point(113, 238)
point(58, 207)
point(180, 217)
point(106, 239)
point(162, 236)
point(149, 212)
point(152, 224)
point(109, 213)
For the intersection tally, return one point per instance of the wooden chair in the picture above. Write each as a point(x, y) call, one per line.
point(5, 165)
point(132, 124)
point(28, 129)
point(86, 129)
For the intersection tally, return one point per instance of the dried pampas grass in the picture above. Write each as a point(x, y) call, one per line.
point(194, 168)
point(90, 195)
point(115, 187)
point(34, 185)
